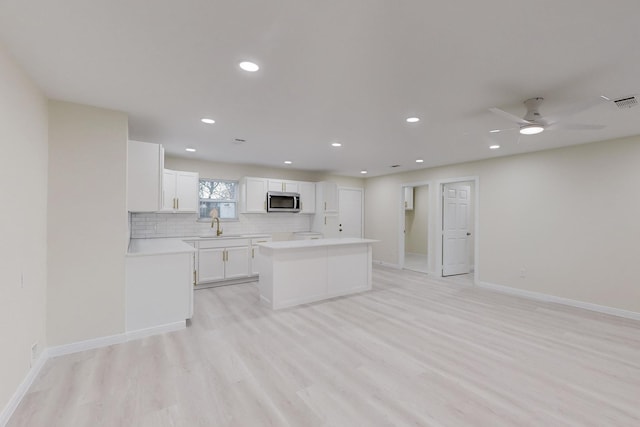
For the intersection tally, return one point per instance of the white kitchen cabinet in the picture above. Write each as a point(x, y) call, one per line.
point(326, 225)
point(253, 195)
point(408, 198)
point(284, 186)
point(210, 265)
point(326, 197)
point(144, 176)
point(222, 259)
point(179, 191)
point(255, 254)
point(158, 290)
point(307, 192)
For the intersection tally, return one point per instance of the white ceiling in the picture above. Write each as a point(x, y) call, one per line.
point(334, 70)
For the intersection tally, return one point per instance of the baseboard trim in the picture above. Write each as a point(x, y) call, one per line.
point(22, 389)
point(386, 264)
point(539, 296)
point(61, 350)
point(142, 333)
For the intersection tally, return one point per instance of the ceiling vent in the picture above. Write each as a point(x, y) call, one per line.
point(627, 102)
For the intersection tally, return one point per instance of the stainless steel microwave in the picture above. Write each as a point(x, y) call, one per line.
point(283, 202)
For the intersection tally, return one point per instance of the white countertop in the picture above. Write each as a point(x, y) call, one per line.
point(299, 244)
point(143, 247)
point(176, 245)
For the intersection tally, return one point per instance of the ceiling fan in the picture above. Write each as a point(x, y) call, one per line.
point(533, 122)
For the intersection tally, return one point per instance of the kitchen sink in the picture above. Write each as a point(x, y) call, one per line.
point(213, 236)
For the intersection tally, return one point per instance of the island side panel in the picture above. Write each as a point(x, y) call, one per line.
point(265, 279)
point(299, 276)
point(158, 290)
point(349, 269)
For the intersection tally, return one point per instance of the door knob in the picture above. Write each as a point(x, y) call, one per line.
point(468, 234)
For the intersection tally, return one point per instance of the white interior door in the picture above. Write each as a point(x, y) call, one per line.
point(350, 212)
point(455, 229)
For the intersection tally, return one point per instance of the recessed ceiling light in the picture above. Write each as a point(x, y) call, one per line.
point(249, 66)
point(208, 121)
point(413, 119)
point(531, 129)
point(494, 147)
point(363, 172)
point(419, 161)
point(191, 150)
point(494, 131)
point(336, 144)
point(287, 162)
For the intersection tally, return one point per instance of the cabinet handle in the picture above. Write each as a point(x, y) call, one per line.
point(253, 254)
point(194, 277)
point(223, 256)
point(325, 220)
point(325, 206)
point(177, 203)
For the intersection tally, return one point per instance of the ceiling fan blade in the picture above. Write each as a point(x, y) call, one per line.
point(574, 126)
point(575, 109)
point(510, 116)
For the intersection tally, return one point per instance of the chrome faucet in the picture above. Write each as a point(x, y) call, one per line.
point(218, 229)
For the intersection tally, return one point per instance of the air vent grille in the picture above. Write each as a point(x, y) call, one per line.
point(626, 102)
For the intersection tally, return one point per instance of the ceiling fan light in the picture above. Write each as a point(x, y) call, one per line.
point(531, 129)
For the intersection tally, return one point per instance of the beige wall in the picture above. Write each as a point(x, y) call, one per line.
point(416, 222)
point(87, 226)
point(23, 222)
point(566, 216)
point(233, 171)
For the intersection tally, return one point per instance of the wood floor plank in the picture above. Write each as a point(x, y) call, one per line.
point(415, 351)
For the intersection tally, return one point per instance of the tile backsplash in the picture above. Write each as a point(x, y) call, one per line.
point(147, 225)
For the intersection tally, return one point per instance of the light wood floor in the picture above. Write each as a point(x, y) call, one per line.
point(415, 351)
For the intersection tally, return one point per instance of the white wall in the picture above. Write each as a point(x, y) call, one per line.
point(234, 171)
point(87, 228)
point(567, 216)
point(416, 222)
point(23, 222)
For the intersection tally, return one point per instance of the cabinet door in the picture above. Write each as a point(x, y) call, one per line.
point(237, 264)
point(330, 195)
point(255, 195)
point(210, 264)
point(290, 187)
point(275, 185)
point(255, 253)
point(187, 191)
point(144, 173)
point(168, 190)
point(307, 192)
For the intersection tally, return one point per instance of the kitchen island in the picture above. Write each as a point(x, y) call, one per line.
point(303, 271)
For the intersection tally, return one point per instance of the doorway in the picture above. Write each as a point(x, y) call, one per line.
point(350, 217)
point(458, 228)
point(415, 248)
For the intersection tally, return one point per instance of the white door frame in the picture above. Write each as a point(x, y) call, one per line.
point(361, 190)
point(476, 221)
point(401, 226)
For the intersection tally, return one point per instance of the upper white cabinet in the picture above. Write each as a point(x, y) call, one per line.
point(327, 197)
point(179, 191)
point(284, 186)
point(307, 192)
point(253, 195)
point(144, 176)
point(408, 198)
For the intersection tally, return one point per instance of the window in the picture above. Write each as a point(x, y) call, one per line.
point(218, 194)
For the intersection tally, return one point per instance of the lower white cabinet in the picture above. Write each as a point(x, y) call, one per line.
point(222, 259)
point(254, 268)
